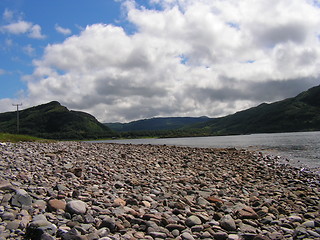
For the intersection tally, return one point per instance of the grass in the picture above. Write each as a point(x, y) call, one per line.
point(7, 137)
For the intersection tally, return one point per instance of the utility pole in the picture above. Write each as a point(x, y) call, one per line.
point(17, 105)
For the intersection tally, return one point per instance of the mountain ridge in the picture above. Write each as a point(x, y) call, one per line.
point(299, 113)
point(156, 123)
point(52, 120)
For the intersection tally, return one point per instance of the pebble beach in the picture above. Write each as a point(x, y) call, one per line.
point(91, 191)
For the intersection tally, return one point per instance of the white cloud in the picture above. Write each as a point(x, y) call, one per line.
point(64, 31)
point(35, 32)
point(23, 27)
point(8, 42)
point(20, 26)
point(192, 58)
point(7, 15)
point(29, 50)
point(2, 71)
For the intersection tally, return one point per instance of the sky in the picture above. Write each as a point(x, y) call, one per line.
point(123, 60)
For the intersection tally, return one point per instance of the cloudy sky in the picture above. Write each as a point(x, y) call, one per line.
point(123, 60)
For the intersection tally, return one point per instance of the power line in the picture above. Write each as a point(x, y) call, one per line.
point(17, 105)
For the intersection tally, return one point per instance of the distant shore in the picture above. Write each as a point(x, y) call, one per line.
point(79, 190)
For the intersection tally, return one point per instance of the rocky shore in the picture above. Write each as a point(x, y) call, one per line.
point(88, 191)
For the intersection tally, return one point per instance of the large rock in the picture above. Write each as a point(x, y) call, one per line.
point(228, 223)
point(40, 226)
point(247, 212)
point(192, 221)
point(220, 235)
point(187, 236)
point(21, 198)
point(55, 204)
point(76, 207)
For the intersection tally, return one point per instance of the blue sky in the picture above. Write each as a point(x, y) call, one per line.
point(122, 60)
point(72, 15)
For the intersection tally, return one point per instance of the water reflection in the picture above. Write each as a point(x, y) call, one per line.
point(303, 148)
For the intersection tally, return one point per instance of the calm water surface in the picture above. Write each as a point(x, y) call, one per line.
point(301, 149)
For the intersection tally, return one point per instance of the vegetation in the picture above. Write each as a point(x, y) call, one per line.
point(156, 124)
point(7, 137)
point(54, 121)
point(301, 113)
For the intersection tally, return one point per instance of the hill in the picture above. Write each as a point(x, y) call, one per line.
point(54, 121)
point(156, 124)
point(301, 113)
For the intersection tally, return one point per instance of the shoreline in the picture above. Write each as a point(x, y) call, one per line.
point(81, 190)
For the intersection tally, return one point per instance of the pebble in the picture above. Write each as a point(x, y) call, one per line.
point(21, 198)
point(89, 191)
point(192, 221)
point(187, 236)
point(76, 207)
point(228, 223)
point(56, 204)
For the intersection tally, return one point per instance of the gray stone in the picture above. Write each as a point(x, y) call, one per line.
point(46, 236)
point(192, 221)
point(220, 235)
point(247, 228)
point(21, 198)
point(12, 225)
point(294, 218)
point(275, 235)
point(108, 223)
point(261, 237)
point(202, 202)
point(228, 223)
point(187, 236)
point(175, 232)
point(309, 224)
point(158, 235)
point(234, 237)
point(37, 228)
point(197, 228)
point(76, 207)
point(313, 233)
point(8, 216)
point(171, 227)
point(73, 234)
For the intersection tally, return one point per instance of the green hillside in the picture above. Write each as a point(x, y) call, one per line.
point(156, 124)
point(51, 120)
point(301, 113)
point(54, 121)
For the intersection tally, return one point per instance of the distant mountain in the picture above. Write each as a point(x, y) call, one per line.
point(51, 120)
point(156, 124)
point(301, 113)
point(54, 121)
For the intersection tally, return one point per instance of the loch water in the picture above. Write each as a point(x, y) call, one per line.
point(299, 149)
